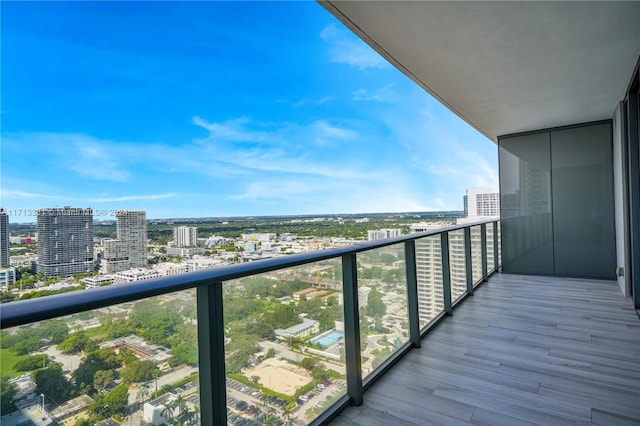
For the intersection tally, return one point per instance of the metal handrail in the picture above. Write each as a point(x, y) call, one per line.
point(28, 311)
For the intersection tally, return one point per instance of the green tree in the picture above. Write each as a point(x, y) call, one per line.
point(309, 363)
point(111, 404)
point(242, 346)
point(154, 322)
point(102, 379)
point(6, 296)
point(375, 306)
point(7, 392)
point(51, 382)
point(32, 362)
point(138, 371)
point(77, 342)
point(102, 359)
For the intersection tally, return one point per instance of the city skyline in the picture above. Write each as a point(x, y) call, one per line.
point(242, 109)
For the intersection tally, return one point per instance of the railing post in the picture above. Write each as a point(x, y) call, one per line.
point(446, 272)
point(483, 239)
point(353, 360)
point(496, 261)
point(467, 260)
point(213, 389)
point(412, 292)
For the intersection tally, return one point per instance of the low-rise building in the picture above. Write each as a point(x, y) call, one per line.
point(71, 408)
point(184, 251)
point(140, 348)
point(154, 410)
point(134, 275)
point(7, 276)
point(306, 328)
point(97, 281)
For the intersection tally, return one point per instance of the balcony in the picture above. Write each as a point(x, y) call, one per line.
point(523, 350)
point(345, 345)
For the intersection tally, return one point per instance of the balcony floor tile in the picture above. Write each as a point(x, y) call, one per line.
point(524, 350)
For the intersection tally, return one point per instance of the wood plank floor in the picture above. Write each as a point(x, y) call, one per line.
point(524, 350)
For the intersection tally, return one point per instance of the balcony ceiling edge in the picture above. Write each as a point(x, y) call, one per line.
point(507, 67)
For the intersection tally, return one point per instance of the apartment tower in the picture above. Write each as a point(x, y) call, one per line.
point(481, 203)
point(429, 270)
point(129, 249)
point(65, 241)
point(4, 238)
point(185, 236)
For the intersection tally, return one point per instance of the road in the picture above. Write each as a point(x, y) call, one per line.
point(166, 379)
point(69, 362)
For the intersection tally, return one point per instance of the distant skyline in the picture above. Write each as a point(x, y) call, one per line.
point(219, 109)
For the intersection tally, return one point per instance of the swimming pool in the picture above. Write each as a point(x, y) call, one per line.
point(329, 339)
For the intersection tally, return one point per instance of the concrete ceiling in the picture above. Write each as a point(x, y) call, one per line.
point(507, 67)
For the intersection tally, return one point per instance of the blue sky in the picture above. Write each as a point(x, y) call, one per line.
point(194, 109)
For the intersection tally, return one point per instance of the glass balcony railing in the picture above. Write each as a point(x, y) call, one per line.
point(289, 340)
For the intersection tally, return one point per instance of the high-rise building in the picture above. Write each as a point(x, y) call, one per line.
point(185, 236)
point(4, 238)
point(65, 241)
point(381, 234)
point(481, 203)
point(129, 249)
point(429, 270)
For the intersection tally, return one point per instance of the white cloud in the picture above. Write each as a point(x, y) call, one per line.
point(82, 154)
point(133, 198)
point(26, 194)
point(325, 129)
point(383, 94)
point(93, 161)
point(281, 149)
point(346, 48)
point(230, 130)
point(303, 102)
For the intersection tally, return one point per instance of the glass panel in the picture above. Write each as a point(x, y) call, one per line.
point(382, 294)
point(429, 277)
point(284, 344)
point(583, 202)
point(134, 362)
point(476, 254)
point(490, 254)
point(457, 264)
point(525, 204)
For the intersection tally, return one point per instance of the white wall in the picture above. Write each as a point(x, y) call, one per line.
point(618, 195)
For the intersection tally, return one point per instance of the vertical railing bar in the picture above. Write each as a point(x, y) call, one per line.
point(353, 359)
point(467, 260)
point(211, 362)
point(496, 261)
point(483, 245)
point(412, 292)
point(446, 272)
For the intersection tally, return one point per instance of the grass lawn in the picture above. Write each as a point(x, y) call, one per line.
point(8, 360)
point(94, 332)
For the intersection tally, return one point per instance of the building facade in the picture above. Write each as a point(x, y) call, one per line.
point(129, 249)
point(429, 270)
point(481, 203)
point(381, 234)
point(185, 236)
point(4, 238)
point(65, 241)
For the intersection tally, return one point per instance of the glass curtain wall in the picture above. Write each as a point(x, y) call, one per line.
point(557, 202)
